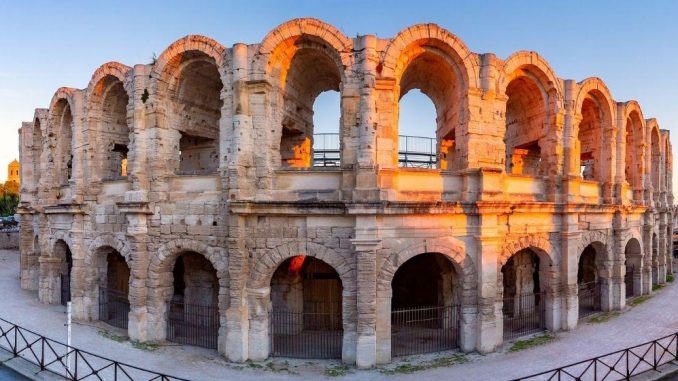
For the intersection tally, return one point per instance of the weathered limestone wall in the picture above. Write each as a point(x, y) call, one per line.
point(209, 150)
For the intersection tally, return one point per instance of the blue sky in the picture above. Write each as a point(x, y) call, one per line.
point(48, 44)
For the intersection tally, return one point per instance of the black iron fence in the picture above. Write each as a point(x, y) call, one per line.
point(424, 330)
point(316, 335)
point(65, 289)
point(66, 361)
point(589, 299)
point(619, 365)
point(523, 315)
point(193, 324)
point(114, 307)
point(413, 151)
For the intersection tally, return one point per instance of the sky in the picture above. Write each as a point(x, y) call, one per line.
point(631, 45)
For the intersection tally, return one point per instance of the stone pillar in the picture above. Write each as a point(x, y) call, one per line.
point(236, 341)
point(49, 291)
point(81, 299)
point(136, 211)
point(259, 303)
point(661, 252)
point(617, 297)
point(647, 260)
point(29, 265)
point(569, 288)
point(366, 246)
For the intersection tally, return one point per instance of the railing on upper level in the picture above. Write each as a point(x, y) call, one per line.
point(413, 151)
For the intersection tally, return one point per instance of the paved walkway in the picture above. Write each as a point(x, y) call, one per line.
point(654, 318)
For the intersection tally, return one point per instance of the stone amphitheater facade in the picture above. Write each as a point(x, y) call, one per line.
point(538, 186)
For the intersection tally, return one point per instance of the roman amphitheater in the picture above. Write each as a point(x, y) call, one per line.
point(190, 200)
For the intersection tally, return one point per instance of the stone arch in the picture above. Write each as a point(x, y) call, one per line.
point(595, 109)
point(60, 132)
point(294, 29)
point(109, 102)
point(112, 241)
point(534, 102)
point(599, 239)
point(636, 142)
point(187, 90)
point(654, 157)
point(393, 62)
point(59, 235)
point(430, 59)
point(451, 248)
point(539, 243)
point(169, 251)
point(263, 270)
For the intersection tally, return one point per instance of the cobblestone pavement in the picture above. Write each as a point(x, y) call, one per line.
point(654, 318)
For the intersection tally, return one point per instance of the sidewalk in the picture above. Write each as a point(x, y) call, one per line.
point(652, 319)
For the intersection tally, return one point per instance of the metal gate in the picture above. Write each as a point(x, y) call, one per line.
point(523, 315)
point(424, 329)
point(113, 307)
point(193, 324)
point(628, 280)
point(312, 335)
point(65, 289)
point(589, 299)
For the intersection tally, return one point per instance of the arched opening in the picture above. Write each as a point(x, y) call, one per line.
point(425, 318)
point(193, 309)
point(326, 142)
point(195, 95)
point(112, 277)
point(113, 128)
point(634, 157)
point(65, 266)
point(590, 135)
point(656, 155)
point(313, 69)
point(62, 119)
point(526, 119)
point(588, 282)
point(306, 315)
point(37, 151)
point(633, 264)
point(524, 300)
point(430, 146)
point(417, 147)
point(655, 259)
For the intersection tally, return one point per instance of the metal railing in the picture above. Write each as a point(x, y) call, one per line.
point(589, 299)
point(316, 333)
point(69, 362)
point(618, 365)
point(523, 315)
point(413, 151)
point(114, 307)
point(193, 324)
point(424, 330)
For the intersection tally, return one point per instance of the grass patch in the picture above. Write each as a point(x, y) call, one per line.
point(657, 287)
point(438, 362)
point(148, 347)
point(669, 278)
point(639, 300)
point(271, 366)
point(532, 342)
point(337, 371)
point(112, 336)
point(603, 317)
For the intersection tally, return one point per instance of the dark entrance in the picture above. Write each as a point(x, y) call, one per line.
point(193, 310)
point(523, 307)
point(425, 306)
point(587, 280)
point(63, 252)
point(306, 318)
point(114, 304)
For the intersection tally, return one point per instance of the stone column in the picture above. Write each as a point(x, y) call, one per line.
point(136, 211)
point(29, 265)
point(81, 299)
point(569, 287)
point(259, 303)
point(236, 341)
point(49, 291)
point(647, 260)
point(617, 291)
point(661, 252)
point(366, 263)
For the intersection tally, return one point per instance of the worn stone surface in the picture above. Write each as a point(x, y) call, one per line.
point(208, 150)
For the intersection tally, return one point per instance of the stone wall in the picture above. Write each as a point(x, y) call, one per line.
point(218, 151)
point(9, 240)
